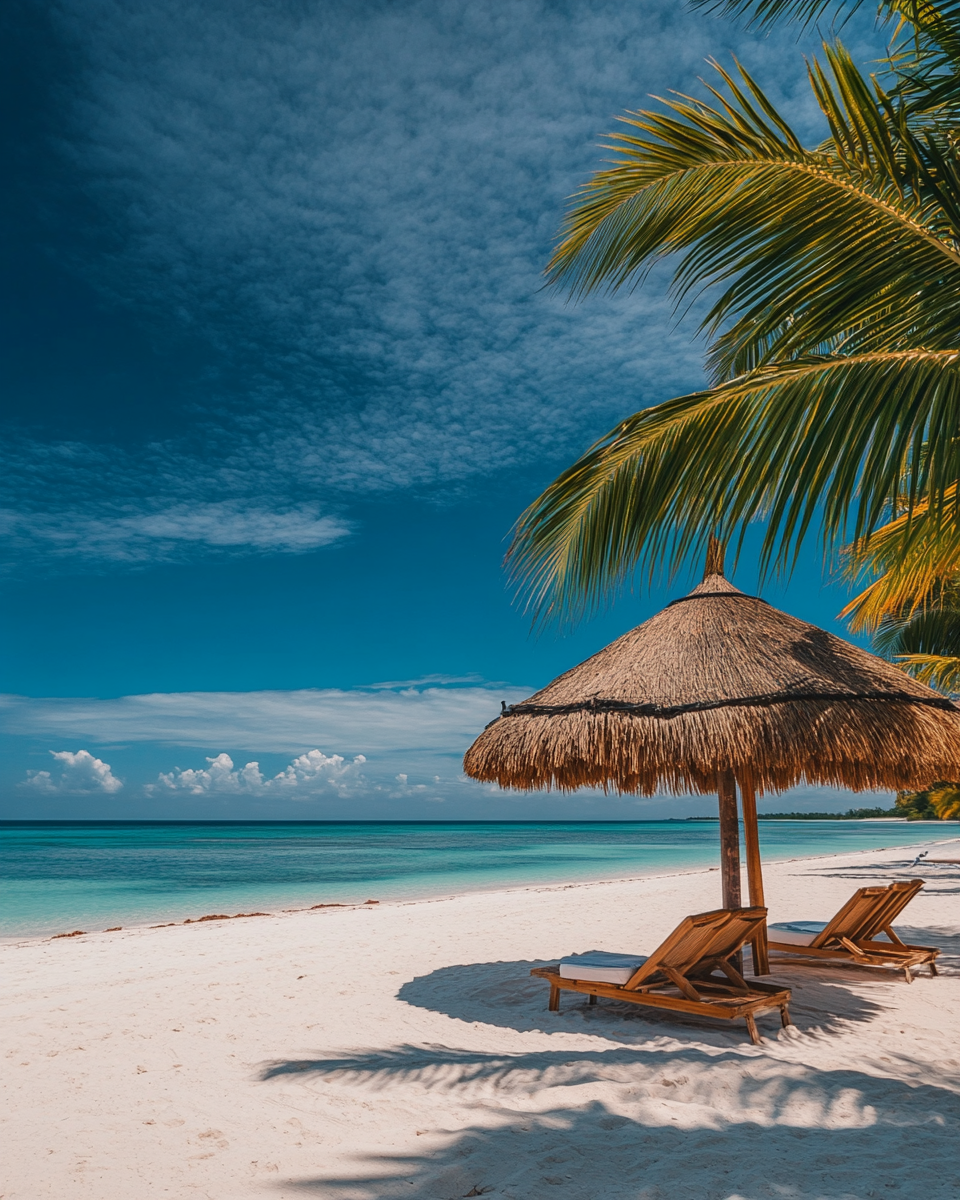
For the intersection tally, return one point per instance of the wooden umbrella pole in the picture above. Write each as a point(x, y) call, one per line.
point(751, 837)
point(729, 846)
point(729, 839)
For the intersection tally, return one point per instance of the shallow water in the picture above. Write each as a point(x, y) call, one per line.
point(57, 876)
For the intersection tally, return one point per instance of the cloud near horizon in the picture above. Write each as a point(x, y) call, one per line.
point(80, 773)
point(311, 772)
point(400, 742)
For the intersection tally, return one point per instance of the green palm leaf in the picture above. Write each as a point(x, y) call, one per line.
point(924, 58)
point(935, 670)
point(814, 247)
point(794, 444)
point(836, 280)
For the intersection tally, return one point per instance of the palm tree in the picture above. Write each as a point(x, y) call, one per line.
point(940, 801)
point(834, 351)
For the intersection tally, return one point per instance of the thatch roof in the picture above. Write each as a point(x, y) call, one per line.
point(722, 681)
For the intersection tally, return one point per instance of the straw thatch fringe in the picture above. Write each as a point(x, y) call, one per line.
point(674, 702)
point(862, 745)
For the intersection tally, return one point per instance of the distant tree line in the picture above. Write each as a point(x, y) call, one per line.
point(940, 802)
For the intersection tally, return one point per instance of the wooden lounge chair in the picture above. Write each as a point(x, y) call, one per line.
point(680, 974)
point(852, 935)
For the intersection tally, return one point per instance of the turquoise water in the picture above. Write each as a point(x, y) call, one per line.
point(58, 876)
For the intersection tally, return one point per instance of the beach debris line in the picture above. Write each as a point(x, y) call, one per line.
point(217, 917)
point(222, 917)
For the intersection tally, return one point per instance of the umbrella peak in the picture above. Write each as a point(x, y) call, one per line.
point(714, 563)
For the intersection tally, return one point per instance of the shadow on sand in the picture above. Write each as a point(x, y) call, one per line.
point(505, 994)
point(689, 1109)
point(703, 1126)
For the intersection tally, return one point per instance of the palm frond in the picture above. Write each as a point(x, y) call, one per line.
point(797, 443)
point(933, 629)
point(911, 558)
point(815, 250)
point(924, 58)
point(763, 14)
point(936, 670)
point(945, 801)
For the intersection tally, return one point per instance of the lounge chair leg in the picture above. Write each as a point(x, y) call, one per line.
point(592, 999)
point(785, 1016)
point(752, 1029)
point(933, 969)
point(554, 999)
point(907, 975)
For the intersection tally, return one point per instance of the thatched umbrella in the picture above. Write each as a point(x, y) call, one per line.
point(720, 689)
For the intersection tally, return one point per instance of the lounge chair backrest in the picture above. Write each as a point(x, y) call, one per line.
point(855, 914)
point(868, 912)
point(899, 895)
point(712, 935)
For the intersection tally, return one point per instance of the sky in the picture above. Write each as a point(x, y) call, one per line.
point(279, 372)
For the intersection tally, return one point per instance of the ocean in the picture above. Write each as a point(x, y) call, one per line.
point(57, 876)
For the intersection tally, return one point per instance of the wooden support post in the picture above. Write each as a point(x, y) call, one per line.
point(729, 846)
point(729, 840)
point(751, 837)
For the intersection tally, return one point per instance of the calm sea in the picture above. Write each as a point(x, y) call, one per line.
point(58, 876)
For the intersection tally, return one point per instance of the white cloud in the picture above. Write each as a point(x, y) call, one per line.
point(311, 773)
point(167, 533)
point(79, 773)
point(403, 747)
point(355, 204)
point(373, 721)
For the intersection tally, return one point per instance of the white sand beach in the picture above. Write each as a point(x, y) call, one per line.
point(403, 1050)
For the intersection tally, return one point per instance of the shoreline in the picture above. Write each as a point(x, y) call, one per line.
point(403, 1049)
point(506, 890)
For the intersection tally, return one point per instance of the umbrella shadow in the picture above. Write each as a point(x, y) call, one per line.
point(504, 994)
point(685, 1126)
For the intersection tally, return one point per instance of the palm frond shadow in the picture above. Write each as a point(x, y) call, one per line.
point(948, 941)
point(938, 881)
point(753, 1145)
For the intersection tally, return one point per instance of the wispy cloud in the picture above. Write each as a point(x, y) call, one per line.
point(354, 203)
point(371, 721)
point(116, 534)
point(384, 752)
point(78, 773)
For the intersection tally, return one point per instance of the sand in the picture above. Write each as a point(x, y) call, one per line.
point(403, 1050)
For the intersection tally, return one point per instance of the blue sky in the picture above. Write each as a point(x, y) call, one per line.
point(279, 373)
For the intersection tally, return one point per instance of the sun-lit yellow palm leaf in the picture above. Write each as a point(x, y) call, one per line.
point(910, 557)
point(945, 801)
point(937, 670)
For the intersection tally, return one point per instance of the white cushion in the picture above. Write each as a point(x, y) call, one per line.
point(600, 966)
point(796, 933)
